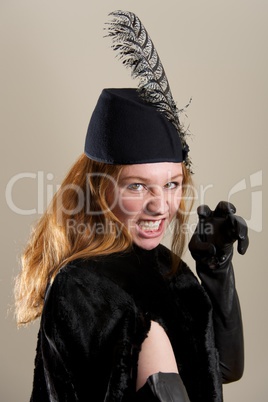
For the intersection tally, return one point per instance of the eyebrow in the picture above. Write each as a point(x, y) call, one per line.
point(138, 179)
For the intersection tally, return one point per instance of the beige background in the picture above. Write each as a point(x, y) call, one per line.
point(54, 63)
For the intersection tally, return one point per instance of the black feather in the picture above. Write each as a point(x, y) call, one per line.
point(136, 50)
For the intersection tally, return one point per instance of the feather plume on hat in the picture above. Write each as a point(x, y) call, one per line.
point(136, 50)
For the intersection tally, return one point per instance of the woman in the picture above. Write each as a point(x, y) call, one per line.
point(122, 317)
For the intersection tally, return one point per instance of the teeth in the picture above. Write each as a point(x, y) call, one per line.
point(149, 225)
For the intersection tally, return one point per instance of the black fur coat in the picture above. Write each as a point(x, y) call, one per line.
point(97, 314)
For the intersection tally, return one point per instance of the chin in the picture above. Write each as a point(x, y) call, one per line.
point(147, 244)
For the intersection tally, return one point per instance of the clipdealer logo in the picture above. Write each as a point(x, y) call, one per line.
point(255, 220)
point(44, 190)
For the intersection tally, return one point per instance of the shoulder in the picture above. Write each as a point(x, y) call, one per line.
point(84, 310)
point(82, 298)
point(81, 286)
point(77, 275)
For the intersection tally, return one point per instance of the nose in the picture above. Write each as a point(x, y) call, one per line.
point(157, 204)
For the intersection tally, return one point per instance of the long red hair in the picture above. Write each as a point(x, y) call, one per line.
point(67, 231)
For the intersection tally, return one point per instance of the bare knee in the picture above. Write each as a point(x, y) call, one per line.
point(156, 355)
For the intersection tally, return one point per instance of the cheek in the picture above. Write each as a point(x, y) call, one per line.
point(128, 203)
point(129, 206)
point(126, 207)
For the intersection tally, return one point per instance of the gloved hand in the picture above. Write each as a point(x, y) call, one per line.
point(212, 248)
point(212, 243)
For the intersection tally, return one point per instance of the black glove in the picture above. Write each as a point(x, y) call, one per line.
point(162, 387)
point(212, 242)
point(212, 248)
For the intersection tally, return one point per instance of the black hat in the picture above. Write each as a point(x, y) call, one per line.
point(124, 129)
point(131, 126)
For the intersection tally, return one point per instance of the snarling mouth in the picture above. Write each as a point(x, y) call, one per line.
point(149, 226)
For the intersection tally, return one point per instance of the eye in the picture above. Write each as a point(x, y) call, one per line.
point(136, 187)
point(171, 185)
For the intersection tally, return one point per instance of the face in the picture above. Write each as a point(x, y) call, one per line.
point(146, 199)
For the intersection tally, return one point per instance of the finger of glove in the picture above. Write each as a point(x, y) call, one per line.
point(238, 231)
point(242, 235)
point(223, 209)
point(201, 249)
point(204, 211)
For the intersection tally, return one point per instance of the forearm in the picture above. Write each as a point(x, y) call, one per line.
point(228, 328)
